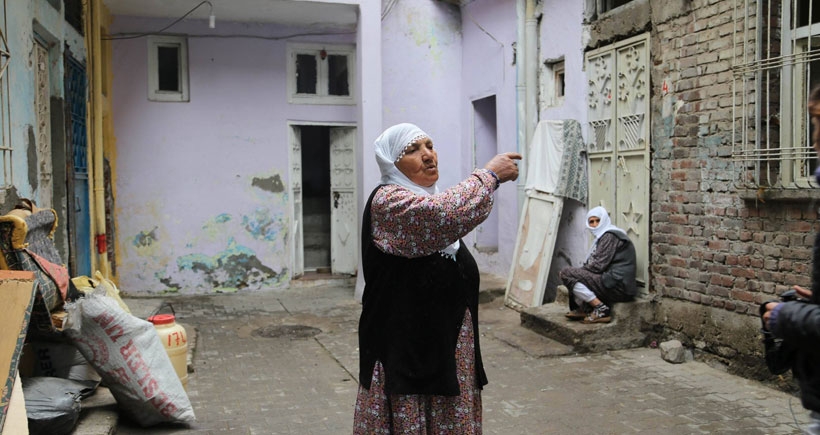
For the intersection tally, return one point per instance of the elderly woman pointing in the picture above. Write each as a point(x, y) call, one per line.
point(420, 366)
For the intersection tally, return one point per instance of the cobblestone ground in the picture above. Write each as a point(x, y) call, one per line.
point(259, 370)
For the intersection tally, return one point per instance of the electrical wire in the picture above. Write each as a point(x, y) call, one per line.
point(268, 38)
point(501, 44)
point(141, 35)
point(388, 7)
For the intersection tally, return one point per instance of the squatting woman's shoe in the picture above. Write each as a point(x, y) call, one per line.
point(578, 314)
point(599, 314)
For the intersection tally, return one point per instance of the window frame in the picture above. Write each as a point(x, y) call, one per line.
point(321, 96)
point(796, 42)
point(154, 94)
point(556, 82)
point(771, 145)
point(604, 6)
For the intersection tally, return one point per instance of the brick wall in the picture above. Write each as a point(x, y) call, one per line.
point(714, 255)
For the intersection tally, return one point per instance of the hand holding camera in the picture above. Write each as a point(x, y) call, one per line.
point(797, 293)
point(778, 356)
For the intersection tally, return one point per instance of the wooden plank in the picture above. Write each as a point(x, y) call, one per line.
point(17, 292)
point(537, 232)
point(16, 418)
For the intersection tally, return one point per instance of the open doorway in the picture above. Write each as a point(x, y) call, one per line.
point(316, 197)
point(485, 143)
point(323, 188)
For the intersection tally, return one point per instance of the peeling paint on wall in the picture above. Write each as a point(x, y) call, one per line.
point(215, 225)
point(271, 184)
point(262, 226)
point(145, 238)
point(232, 269)
point(229, 252)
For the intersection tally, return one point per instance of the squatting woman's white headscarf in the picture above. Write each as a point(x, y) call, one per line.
point(604, 226)
point(390, 147)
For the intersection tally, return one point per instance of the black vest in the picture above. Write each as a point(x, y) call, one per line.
point(411, 317)
point(620, 275)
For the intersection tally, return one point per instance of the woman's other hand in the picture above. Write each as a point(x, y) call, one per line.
point(802, 292)
point(505, 165)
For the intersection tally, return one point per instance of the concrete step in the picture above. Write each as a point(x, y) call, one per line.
point(630, 326)
point(316, 239)
point(323, 278)
point(98, 415)
point(317, 221)
point(491, 287)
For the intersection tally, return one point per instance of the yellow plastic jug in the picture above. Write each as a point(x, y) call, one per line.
point(175, 340)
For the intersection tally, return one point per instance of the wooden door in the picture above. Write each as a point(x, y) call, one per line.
point(537, 232)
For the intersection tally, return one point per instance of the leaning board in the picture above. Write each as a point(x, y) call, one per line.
point(17, 292)
point(537, 232)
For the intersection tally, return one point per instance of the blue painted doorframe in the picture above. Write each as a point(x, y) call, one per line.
point(79, 225)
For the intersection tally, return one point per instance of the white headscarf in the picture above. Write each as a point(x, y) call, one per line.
point(390, 147)
point(604, 226)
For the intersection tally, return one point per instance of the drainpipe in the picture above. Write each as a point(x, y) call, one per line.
point(527, 85)
point(531, 64)
point(521, 97)
point(97, 143)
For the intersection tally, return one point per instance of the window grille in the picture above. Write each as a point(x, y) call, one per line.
point(631, 126)
point(76, 101)
point(600, 129)
point(776, 49)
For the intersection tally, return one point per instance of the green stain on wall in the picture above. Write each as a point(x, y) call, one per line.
point(236, 267)
point(262, 226)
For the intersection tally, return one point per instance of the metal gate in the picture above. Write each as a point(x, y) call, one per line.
point(79, 213)
point(618, 111)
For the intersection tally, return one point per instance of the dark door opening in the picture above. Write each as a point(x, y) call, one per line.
point(316, 197)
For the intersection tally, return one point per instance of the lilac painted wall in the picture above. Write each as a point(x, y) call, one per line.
point(202, 187)
point(489, 31)
point(436, 62)
point(421, 76)
point(562, 37)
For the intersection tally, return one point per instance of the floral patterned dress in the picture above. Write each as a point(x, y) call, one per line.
point(409, 225)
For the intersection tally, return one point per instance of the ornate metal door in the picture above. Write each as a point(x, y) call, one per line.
point(618, 114)
point(344, 234)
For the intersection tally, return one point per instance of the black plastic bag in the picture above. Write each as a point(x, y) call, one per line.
point(53, 404)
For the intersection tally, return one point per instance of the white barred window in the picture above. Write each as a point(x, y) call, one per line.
point(777, 63)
